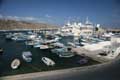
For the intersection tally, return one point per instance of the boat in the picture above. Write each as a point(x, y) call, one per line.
point(37, 45)
point(52, 39)
point(29, 43)
point(66, 54)
point(63, 52)
point(31, 36)
point(15, 63)
point(43, 46)
point(57, 44)
point(9, 36)
point(27, 56)
point(1, 51)
point(48, 61)
point(74, 45)
point(109, 54)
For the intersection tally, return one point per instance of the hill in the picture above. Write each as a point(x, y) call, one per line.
point(12, 24)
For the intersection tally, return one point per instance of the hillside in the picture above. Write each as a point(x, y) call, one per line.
point(12, 24)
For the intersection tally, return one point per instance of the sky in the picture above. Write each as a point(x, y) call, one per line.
point(104, 12)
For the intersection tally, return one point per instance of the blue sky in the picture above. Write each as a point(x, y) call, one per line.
point(105, 12)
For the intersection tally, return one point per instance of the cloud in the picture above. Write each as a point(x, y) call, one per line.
point(17, 18)
point(30, 18)
point(48, 16)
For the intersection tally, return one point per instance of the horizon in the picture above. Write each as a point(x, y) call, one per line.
point(58, 12)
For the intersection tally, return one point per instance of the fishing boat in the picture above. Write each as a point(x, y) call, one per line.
point(48, 61)
point(15, 63)
point(27, 56)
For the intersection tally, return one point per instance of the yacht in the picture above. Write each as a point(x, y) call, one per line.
point(27, 56)
point(48, 61)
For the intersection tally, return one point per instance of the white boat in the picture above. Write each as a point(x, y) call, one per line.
point(75, 45)
point(109, 54)
point(36, 45)
point(66, 54)
point(15, 63)
point(42, 46)
point(48, 61)
point(57, 44)
point(27, 56)
point(52, 40)
point(63, 52)
point(31, 36)
point(29, 43)
point(19, 38)
point(9, 36)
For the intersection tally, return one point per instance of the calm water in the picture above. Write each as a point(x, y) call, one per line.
point(13, 49)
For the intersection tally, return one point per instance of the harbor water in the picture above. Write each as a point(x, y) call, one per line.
point(13, 50)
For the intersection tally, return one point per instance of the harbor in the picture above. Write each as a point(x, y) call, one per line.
point(74, 45)
point(14, 49)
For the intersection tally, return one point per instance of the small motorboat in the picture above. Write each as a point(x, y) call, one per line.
point(48, 61)
point(27, 56)
point(44, 46)
point(15, 63)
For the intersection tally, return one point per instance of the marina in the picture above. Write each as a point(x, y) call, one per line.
point(59, 39)
point(74, 45)
point(19, 58)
